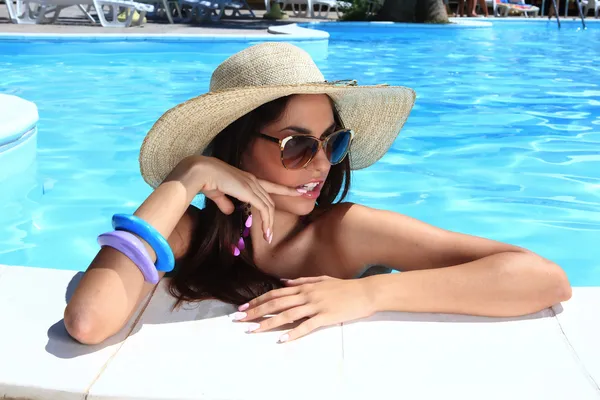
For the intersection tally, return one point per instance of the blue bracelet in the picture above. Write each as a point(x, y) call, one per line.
point(165, 260)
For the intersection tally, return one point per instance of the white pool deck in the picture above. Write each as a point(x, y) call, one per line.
point(199, 353)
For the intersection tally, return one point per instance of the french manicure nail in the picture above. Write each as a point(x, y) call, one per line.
point(239, 315)
point(284, 338)
point(302, 191)
point(252, 327)
point(243, 307)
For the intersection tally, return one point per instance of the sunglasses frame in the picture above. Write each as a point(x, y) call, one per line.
point(322, 144)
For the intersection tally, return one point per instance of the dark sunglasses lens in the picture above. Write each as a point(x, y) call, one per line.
point(337, 146)
point(298, 151)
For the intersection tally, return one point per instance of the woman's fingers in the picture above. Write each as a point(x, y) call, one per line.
point(270, 296)
point(270, 206)
point(302, 281)
point(249, 189)
point(286, 317)
point(304, 328)
point(275, 188)
point(224, 204)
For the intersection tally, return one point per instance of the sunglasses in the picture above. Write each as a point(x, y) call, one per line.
point(297, 151)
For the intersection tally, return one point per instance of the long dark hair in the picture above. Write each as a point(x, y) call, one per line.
point(209, 269)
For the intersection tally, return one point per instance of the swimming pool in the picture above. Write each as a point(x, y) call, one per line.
point(504, 140)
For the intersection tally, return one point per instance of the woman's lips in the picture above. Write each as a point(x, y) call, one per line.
point(312, 194)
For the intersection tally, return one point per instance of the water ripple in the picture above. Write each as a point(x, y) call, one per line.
point(503, 142)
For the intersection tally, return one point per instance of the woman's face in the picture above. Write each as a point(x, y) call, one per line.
point(305, 114)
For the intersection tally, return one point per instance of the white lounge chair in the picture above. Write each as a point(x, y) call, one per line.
point(328, 5)
point(214, 10)
point(36, 11)
point(594, 5)
point(168, 7)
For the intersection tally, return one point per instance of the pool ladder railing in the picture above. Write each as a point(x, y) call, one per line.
point(579, 7)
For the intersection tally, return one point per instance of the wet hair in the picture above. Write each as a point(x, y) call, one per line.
point(209, 270)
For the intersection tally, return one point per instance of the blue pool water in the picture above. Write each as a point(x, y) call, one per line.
point(504, 140)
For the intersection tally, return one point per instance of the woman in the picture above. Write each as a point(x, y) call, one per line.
point(269, 147)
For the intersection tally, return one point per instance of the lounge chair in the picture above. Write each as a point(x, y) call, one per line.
point(36, 11)
point(504, 7)
point(327, 5)
point(214, 10)
point(594, 5)
point(324, 6)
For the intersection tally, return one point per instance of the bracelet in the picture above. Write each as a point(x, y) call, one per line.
point(165, 260)
point(134, 249)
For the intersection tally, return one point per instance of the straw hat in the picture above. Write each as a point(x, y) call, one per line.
point(257, 75)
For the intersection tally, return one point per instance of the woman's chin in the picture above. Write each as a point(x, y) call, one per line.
point(297, 205)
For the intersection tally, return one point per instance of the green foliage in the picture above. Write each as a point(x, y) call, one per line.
point(360, 10)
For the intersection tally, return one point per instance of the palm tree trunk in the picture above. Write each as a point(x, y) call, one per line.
point(398, 11)
point(432, 11)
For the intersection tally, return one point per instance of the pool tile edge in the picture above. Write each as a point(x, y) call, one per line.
point(568, 317)
point(578, 321)
point(57, 367)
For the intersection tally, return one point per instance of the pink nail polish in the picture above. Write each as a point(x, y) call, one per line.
point(252, 327)
point(271, 238)
point(243, 307)
point(302, 191)
point(284, 338)
point(268, 232)
point(239, 315)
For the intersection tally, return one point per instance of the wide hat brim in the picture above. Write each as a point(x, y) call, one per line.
point(375, 113)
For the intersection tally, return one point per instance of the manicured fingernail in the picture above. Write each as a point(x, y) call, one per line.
point(243, 307)
point(268, 232)
point(239, 315)
point(252, 327)
point(284, 279)
point(302, 191)
point(284, 338)
point(271, 238)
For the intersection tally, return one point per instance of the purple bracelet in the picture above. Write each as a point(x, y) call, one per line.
point(133, 248)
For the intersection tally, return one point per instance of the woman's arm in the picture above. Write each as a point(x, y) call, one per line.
point(446, 271)
point(500, 285)
point(113, 286)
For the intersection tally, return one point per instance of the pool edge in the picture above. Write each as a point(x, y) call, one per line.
point(573, 320)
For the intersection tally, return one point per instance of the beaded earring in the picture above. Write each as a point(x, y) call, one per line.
point(245, 231)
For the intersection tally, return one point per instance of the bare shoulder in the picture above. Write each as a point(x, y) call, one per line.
point(370, 236)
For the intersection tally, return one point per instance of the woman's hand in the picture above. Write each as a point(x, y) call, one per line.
point(220, 179)
point(323, 300)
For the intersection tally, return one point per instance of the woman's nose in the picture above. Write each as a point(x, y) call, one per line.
point(320, 162)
